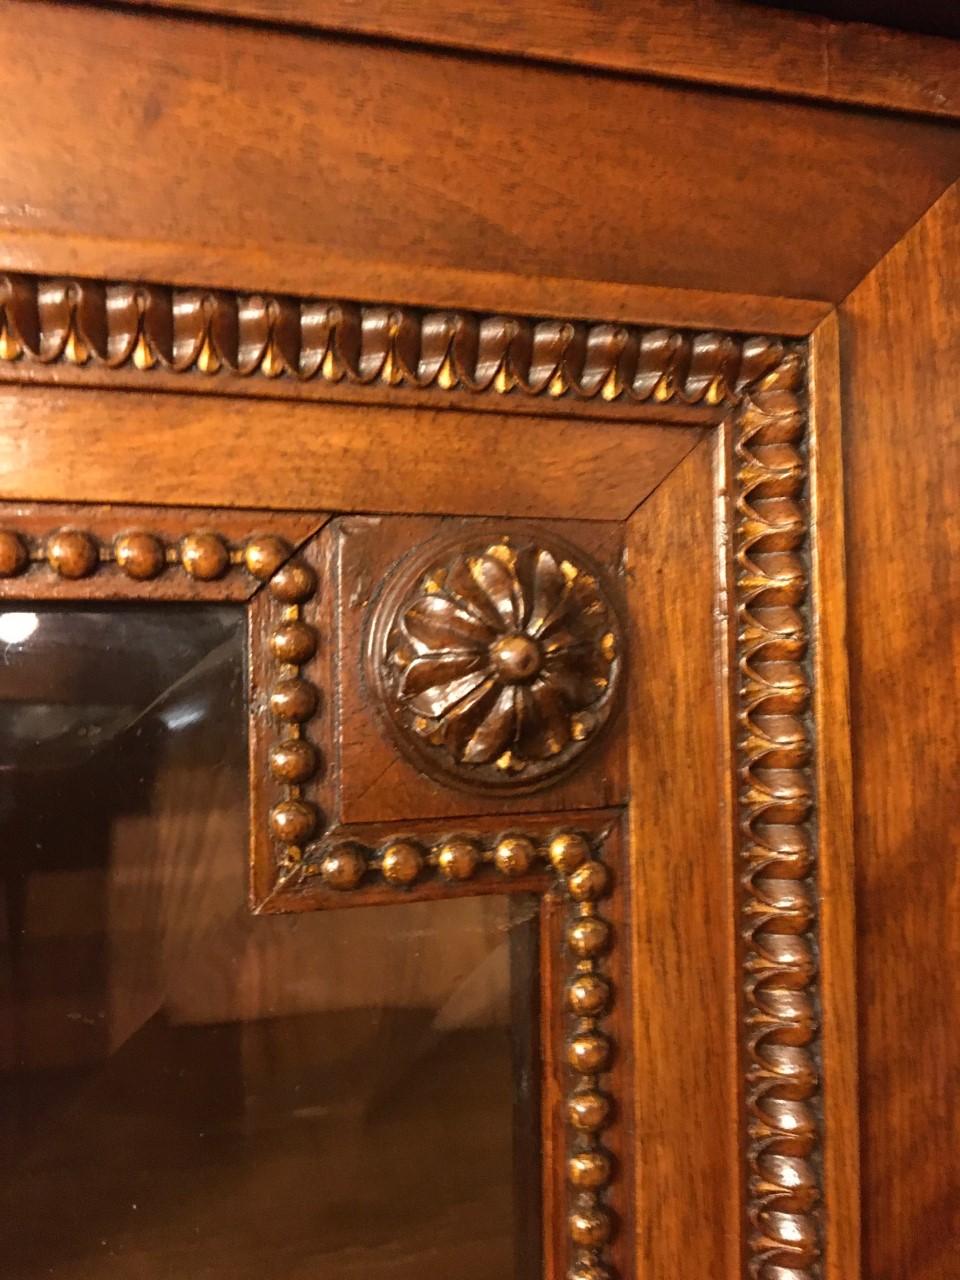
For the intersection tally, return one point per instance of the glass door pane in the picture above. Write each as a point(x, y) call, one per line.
point(190, 1092)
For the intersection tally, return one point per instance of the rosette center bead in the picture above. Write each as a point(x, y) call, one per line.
point(516, 658)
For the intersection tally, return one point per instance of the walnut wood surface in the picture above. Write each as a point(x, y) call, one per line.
point(148, 147)
point(152, 335)
point(364, 151)
point(61, 444)
point(368, 779)
point(736, 44)
point(318, 270)
point(769, 432)
point(769, 478)
point(833, 780)
point(685, 1081)
point(900, 332)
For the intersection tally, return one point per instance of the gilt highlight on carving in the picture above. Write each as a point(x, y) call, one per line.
point(144, 327)
point(776, 803)
point(501, 660)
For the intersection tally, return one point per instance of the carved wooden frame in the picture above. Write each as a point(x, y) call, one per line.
point(53, 552)
point(151, 336)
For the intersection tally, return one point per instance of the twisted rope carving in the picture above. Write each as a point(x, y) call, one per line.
point(776, 801)
point(146, 326)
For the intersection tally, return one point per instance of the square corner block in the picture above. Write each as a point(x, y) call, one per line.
point(469, 667)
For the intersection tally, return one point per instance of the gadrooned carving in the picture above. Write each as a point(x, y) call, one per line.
point(147, 328)
point(495, 660)
point(778, 841)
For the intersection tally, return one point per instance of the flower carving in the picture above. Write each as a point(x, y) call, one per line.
point(503, 660)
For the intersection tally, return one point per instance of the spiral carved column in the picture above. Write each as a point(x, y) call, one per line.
point(777, 862)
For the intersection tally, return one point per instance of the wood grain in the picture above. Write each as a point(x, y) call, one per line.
point(370, 778)
point(685, 1085)
point(318, 270)
point(900, 346)
point(300, 144)
point(834, 801)
point(205, 450)
point(730, 43)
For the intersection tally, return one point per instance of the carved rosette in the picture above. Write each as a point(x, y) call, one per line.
point(496, 662)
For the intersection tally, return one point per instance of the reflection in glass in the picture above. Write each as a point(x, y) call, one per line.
point(189, 1092)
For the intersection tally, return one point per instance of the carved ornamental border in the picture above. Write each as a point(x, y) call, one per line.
point(53, 324)
point(759, 383)
point(775, 746)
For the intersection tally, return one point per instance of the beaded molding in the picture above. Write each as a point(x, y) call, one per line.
point(142, 327)
point(293, 702)
point(777, 851)
point(401, 863)
point(141, 556)
point(345, 864)
point(590, 1105)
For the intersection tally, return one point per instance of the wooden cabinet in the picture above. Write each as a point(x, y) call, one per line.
point(496, 472)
